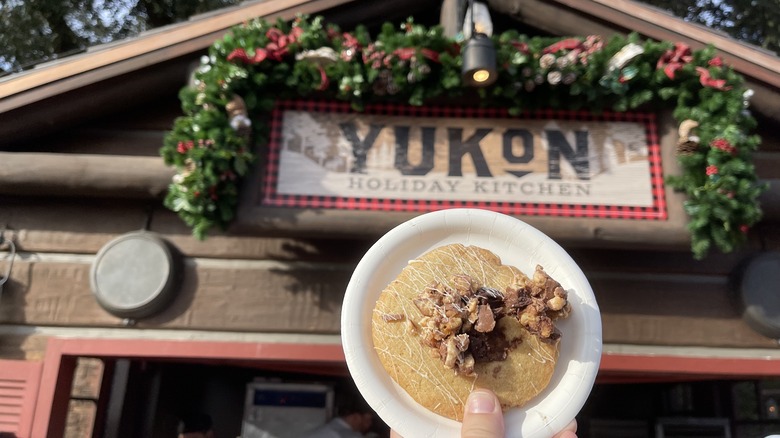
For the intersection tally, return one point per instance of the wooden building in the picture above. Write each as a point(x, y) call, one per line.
point(260, 302)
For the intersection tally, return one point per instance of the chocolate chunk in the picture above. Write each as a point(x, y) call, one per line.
point(489, 294)
point(488, 347)
point(485, 321)
point(517, 298)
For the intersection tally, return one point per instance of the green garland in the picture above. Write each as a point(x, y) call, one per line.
point(262, 62)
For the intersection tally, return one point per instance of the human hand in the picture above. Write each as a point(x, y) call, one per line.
point(483, 418)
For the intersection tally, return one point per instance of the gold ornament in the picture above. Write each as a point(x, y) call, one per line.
point(236, 106)
point(238, 116)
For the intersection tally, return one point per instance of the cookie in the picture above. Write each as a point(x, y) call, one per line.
point(456, 319)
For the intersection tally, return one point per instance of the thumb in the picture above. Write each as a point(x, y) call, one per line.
point(570, 431)
point(482, 417)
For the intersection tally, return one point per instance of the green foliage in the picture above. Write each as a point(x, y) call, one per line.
point(262, 63)
point(34, 31)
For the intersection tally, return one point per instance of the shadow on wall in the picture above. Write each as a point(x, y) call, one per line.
point(15, 279)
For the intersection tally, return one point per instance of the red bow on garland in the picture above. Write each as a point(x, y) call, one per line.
point(674, 59)
point(275, 50)
point(407, 53)
point(567, 44)
point(706, 79)
point(521, 47)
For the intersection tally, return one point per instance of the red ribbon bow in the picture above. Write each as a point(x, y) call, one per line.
point(707, 81)
point(674, 59)
point(521, 47)
point(407, 53)
point(567, 44)
point(716, 62)
point(276, 49)
point(324, 81)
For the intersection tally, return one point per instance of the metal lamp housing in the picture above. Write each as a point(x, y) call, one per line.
point(479, 61)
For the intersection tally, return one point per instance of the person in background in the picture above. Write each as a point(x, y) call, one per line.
point(196, 425)
point(353, 420)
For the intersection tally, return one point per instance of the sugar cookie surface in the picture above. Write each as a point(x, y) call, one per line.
point(418, 369)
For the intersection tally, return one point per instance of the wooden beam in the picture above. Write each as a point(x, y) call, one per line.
point(83, 175)
point(553, 19)
point(87, 226)
point(153, 47)
point(84, 227)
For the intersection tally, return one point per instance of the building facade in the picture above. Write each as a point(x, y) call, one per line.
point(259, 304)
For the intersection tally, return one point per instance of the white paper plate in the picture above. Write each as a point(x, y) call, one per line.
point(518, 244)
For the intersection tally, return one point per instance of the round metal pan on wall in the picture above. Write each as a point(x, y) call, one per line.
point(759, 293)
point(135, 275)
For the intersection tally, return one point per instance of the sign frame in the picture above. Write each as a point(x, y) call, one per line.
point(260, 209)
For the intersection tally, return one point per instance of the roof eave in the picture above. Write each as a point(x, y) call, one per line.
point(596, 16)
point(154, 47)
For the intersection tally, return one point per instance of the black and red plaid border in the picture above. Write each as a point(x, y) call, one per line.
point(655, 212)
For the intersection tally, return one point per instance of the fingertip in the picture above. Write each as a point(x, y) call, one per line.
point(482, 401)
point(482, 417)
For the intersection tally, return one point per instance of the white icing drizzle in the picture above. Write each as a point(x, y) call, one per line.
point(409, 361)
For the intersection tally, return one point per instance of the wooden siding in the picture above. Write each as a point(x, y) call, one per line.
point(290, 285)
point(650, 293)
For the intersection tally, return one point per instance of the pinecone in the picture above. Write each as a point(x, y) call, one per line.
point(687, 142)
point(687, 147)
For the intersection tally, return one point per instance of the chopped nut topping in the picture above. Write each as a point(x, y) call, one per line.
point(544, 302)
point(459, 321)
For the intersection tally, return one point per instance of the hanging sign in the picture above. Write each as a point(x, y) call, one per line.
point(399, 158)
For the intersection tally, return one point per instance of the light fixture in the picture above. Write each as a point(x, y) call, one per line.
point(478, 55)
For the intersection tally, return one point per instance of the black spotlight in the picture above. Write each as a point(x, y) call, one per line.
point(479, 57)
